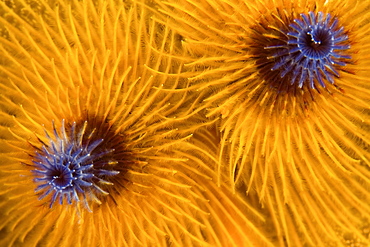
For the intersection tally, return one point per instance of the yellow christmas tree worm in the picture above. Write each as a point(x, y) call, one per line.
point(93, 151)
point(289, 80)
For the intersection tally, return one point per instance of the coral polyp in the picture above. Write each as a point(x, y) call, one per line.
point(72, 166)
point(315, 45)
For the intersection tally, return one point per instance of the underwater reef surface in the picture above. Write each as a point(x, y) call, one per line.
point(184, 123)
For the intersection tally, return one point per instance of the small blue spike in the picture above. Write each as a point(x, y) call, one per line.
point(41, 187)
point(53, 199)
point(92, 146)
point(107, 172)
point(83, 183)
point(61, 198)
point(85, 167)
point(46, 193)
point(69, 199)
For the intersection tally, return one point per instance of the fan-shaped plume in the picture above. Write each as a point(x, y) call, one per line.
point(289, 81)
point(94, 151)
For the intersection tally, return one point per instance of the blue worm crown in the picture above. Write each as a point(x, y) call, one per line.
point(71, 166)
point(313, 48)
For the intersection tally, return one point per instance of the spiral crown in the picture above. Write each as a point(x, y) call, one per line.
point(71, 166)
point(314, 48)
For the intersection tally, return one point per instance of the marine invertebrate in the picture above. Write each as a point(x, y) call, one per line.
point(95, 70)
point(298, 136)
point(313, 49)
point(71, 165)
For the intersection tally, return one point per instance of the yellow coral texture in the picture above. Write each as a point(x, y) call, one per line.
point(185, 123)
